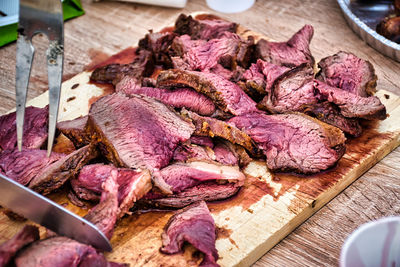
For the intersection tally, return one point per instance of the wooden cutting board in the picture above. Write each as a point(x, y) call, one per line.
point(266, 209)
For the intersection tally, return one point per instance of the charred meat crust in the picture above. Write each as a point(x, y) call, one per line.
point(142, 66)
point(75, 130)
point(211, 127)
point(60, 171)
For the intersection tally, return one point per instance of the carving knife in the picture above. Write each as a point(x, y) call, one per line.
point(47, 213)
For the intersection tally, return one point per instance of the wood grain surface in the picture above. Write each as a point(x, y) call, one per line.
point(109, 27)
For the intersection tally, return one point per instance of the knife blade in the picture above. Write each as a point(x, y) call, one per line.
point(47, 213)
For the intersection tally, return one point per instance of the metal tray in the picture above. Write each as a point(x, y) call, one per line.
point(363, 16)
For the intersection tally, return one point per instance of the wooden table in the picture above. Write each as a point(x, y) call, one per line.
point(109, 27)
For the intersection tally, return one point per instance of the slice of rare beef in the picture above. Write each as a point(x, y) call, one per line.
point(201, 55)
point(261, 76)
point(75, 130)
point(225, 94)
point(87, 185)
point(133, 185)
point(142, 66)
point(225, 154)
point(104, 215)
point(330, 113)
point(203, 29)
point(137, 131)
point(188, 152)
point(35, 128)
point(180, 176)
point(24, 237)
point(294, 142)
point(348, 72)
point(202, 141)
point(352, 105)
point(59, 251)
point(290, 54)
point(178, 98)
point(56, 174)
point(23, 166)
point(193, 224)
point(296, 90)
point(230, 50)
point(211, 127)
point(207, 191)
point(291, 91)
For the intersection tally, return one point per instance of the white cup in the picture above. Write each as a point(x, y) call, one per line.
point(230, 6)
point(375, 243)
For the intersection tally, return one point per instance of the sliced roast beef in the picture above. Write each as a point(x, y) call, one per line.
point(75, 130)
point(290, 54)
point(24, 237)
point(202, 141)
point(330, 113)
point(228, 51)
point(23, 166)
point(207, 191)
point(206, 126)
point(56, 174)
point(128, 84)
point(253, 82)
point(294, 142)
point(188, 152)
point(158, 43)
point(224, 152)
point(193, 224)
point(242, 158)
point(143, 65)
point(352, 105)
point(180, 176)
point(348, 72)
point(231, 75)
point(88, 184)
point(35, 128)
point(132, 187)
point(104, 215)
point(271, 73)
point(260, 77)
point(296, 90)
point(137, 131)
point(132, 184)
point(179, 98)
point(203, 29)
point(225, 155)
point(58, 251)
point(292, 91)
point(225, 94)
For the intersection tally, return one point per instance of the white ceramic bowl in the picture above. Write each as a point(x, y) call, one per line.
point(230, 6)
point(375, 243)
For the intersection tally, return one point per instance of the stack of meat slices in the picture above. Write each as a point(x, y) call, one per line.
point(194, 107)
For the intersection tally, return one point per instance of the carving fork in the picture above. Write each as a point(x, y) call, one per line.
point(37, 16)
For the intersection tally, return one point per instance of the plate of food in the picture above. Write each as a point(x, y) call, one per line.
point(376, 22)
point(206, 144)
